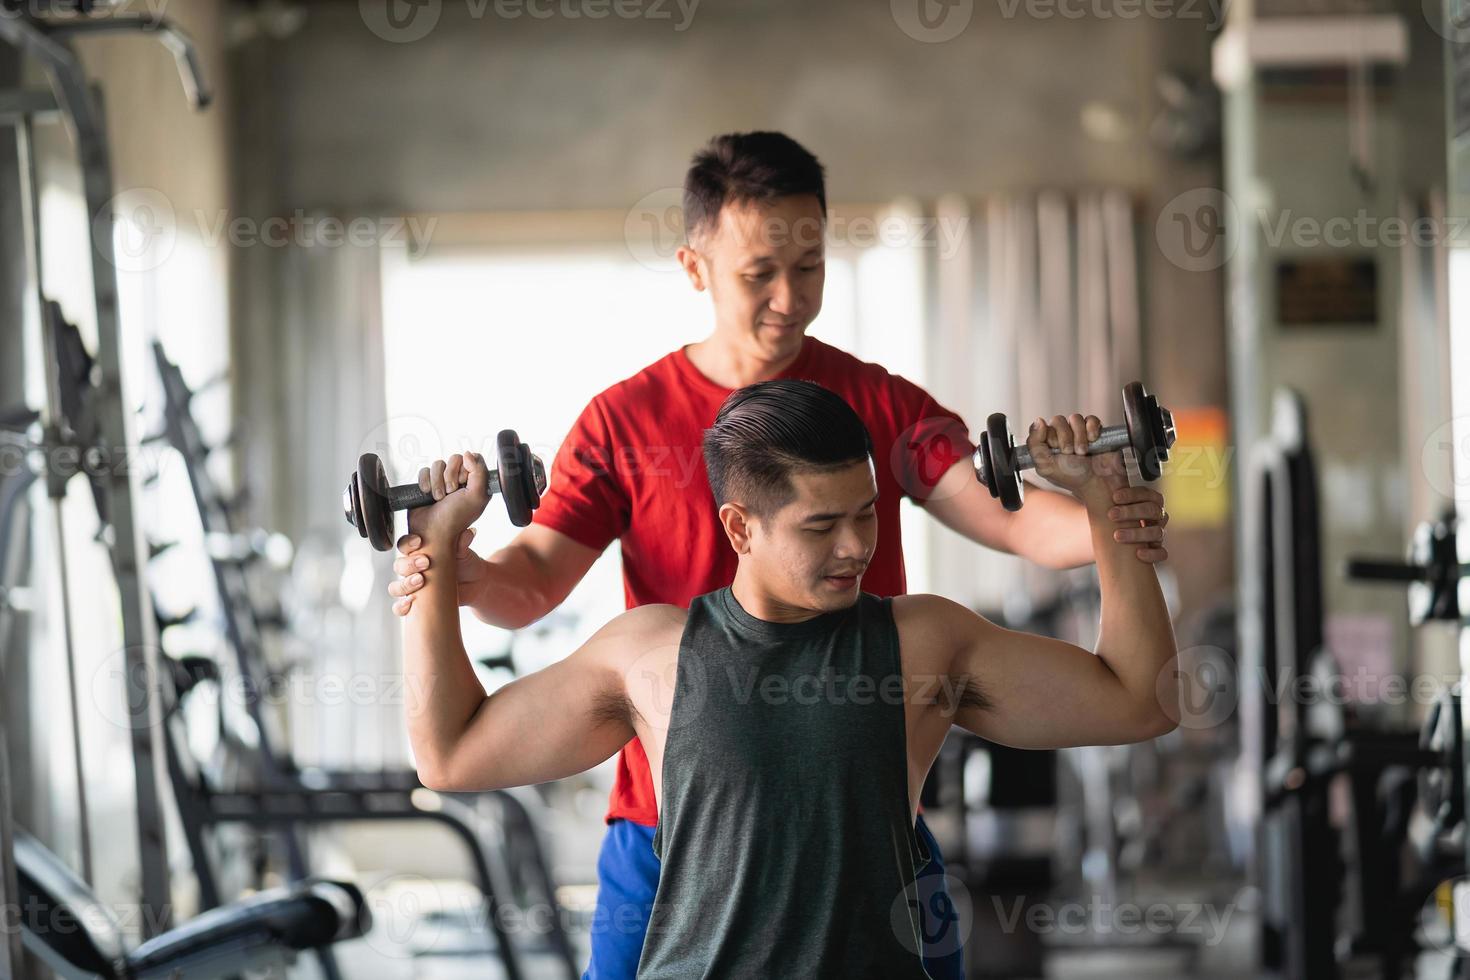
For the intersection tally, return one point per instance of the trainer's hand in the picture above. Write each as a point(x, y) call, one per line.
point(1141, 518)
point(469, 569)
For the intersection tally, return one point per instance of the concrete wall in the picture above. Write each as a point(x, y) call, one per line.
point(490, 112)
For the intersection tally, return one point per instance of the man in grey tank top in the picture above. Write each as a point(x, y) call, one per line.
point(790, 719)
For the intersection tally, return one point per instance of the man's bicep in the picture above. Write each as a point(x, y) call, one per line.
point(1038, 692)
point(553, 723)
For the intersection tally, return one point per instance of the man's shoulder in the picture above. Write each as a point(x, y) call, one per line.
point(655, 623)
point(842, 364)
point(931, 623)
point(871, 388)
point(633, 391)
point(639, 640)
point(924, 605)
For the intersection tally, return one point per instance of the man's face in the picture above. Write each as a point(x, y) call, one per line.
point(764, 267)
point(811, 554)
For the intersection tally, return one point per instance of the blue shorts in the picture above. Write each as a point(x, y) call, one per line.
point(627, 879)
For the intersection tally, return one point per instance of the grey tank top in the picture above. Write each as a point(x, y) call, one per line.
point(784, 832)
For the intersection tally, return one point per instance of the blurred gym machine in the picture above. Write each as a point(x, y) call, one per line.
point(72, 101)
point(1025, 828)
point(1339, 797)
point(90, 434)
point(1432, 573)
point(60, 920)
point(76, 935)
point(13, 487)
point(995, 812)
point(268, 789)
point(1106, 788)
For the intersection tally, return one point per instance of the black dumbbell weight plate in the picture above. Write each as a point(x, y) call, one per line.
point(998, 450)
point(374, 510)
point(1150, 430)
point(517, 477)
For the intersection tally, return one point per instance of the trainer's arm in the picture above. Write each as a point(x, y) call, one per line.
point(514, 587)
point(1052, 529)
point(553, 723)
point(1036, 692)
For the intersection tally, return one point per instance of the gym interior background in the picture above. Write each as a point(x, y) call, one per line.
point(393, 227)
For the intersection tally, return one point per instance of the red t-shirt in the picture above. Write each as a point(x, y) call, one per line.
point(632, 469)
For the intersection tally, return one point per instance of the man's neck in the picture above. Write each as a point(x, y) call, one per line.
point(762, 605)
point(731, 366)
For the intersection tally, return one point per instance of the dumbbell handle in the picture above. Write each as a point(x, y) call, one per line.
point(407, 496)
point(1111, 439)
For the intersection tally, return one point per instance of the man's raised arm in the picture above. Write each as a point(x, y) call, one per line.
point(1035, 692)
point(553, 723)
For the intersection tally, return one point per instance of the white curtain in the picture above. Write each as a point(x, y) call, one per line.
point(1037, 313)
point(310, 357)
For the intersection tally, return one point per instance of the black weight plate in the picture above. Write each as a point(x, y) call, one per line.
point(352, 505)
point(528, 474)
point(376, 510)
point(515, 477)
point(1005, 478)
point(1146, 433)
point(1441, 787)
point(984, 470)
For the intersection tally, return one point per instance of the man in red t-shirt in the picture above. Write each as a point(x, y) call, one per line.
point(631, 470)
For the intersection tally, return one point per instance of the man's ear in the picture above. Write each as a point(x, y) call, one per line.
point(736, 521)
point(691, 261)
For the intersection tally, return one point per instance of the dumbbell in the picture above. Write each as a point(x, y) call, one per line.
point(1434, 572)
point(369, 502)
point(1147, 427)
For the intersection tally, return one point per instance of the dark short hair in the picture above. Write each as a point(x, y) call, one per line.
point(745, 167)
point(767, 431)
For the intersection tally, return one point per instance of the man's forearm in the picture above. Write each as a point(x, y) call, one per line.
point(1135, 638)
point(511, 592)
point(1052, 530)
point(443, 691)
